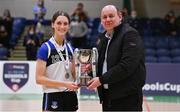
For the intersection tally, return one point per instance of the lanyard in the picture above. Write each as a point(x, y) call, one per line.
point(61, 55)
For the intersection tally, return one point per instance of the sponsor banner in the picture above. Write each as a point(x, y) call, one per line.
point(85, 91)
point(18, 77)
point(162, 79)
point(15, 75)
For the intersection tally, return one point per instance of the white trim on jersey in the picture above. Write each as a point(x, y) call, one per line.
point(49, 49)
point(70, 48)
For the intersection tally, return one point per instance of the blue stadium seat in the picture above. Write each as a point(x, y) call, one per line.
point(13, 40)
point(149, 42)
point(90, 22)
point(3, 53)
point(151, 59)
point(93, 41)
point(47, 22)
point(157, 25)
point(133, 22)
point(176, 59)
point(150, 52)
point(143, 23)
point(29, 22)
point(162, 52)
point(175, 52)
point(18, 25)
point(164, 59)
point(162, 42)
point(174, 43)
point(96, 23)
point(143, 26)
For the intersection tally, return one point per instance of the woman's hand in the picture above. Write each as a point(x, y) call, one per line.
point(72, 86)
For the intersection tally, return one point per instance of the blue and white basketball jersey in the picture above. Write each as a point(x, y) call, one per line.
point(50, 52)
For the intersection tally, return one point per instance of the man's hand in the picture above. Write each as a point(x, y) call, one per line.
point(94, 83)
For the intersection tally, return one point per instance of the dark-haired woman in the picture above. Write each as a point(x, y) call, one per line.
point(55, 68)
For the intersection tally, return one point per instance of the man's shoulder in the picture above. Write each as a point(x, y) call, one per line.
point(101, 36)
point(124, 29)
point(127, 28)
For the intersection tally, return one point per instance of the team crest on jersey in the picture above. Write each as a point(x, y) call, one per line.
point(54, 105)
point(15, 75)
point(55, 58)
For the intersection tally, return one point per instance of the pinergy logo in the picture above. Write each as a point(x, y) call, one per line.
point(162, 87)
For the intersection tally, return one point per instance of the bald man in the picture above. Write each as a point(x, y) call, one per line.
point(121, 66)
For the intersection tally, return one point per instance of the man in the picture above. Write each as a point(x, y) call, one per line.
point(121, 69)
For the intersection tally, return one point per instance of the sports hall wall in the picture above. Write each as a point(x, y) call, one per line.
point(157, 82)
point(150, 8)
point(23, 8)
point(18, 77)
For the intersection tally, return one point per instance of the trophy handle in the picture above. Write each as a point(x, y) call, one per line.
point(94, 60)
point(77, 65)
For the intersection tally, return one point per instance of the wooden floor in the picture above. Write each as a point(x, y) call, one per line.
point(27, 105)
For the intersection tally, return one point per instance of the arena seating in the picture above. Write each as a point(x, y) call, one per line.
point(159, 48)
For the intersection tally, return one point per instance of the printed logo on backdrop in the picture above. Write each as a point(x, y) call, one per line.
point(15, 75)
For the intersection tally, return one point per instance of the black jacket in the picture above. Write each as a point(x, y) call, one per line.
point(126, 71)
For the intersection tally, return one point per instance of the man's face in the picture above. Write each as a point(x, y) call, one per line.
point(110, 17)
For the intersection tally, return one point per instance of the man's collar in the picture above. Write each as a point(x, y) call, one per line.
point(109, 35)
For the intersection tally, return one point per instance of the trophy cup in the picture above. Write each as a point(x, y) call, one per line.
point(85, 56)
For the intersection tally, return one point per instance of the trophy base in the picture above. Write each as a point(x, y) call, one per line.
point(84, 80)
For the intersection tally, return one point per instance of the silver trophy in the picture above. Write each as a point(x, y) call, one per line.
point(85, 56)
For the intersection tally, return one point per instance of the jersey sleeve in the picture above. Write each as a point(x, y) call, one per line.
point(43, 52)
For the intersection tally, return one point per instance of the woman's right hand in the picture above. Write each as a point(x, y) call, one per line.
point(72, 86)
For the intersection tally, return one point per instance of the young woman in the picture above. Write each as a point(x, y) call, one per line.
point(31, 42)
point(54, 68)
